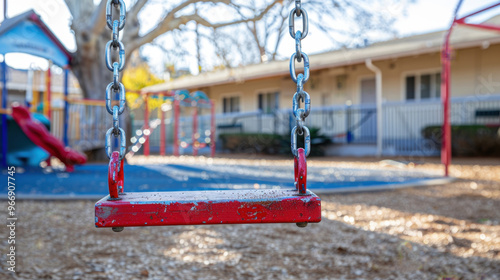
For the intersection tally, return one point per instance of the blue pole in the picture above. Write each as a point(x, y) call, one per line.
point(4, 117)
point(348, 114)
point(66, 109)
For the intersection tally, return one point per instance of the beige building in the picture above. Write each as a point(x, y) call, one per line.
point(410, 68)
point(343, 92)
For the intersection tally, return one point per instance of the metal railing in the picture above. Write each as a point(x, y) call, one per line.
point(86, 126)
point(347, 124)
point(403, 123)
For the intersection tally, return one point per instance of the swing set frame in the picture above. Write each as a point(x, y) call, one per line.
point(178, 101)
point(446, 57)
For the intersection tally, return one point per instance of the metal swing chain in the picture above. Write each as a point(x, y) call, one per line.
point(115, 87)
point(300, 79)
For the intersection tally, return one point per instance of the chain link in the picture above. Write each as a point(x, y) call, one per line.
point(121, 55)
point(305, 22)
point(300, 79)
point(109, 13)
point(306, 67)
point(298, 5)
point(298, 46)
point(115, 87)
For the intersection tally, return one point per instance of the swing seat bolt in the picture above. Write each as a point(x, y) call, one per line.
point(120, 229)
point(302, 224)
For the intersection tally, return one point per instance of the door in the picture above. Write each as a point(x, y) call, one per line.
point(368, 113)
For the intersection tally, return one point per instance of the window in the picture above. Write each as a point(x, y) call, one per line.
point(268, 102)
point(423, 86)
point(438, 84)
point(410, 88)
point(231, 104)
point(325, 99)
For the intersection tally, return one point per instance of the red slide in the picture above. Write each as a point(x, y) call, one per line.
point(37, 133)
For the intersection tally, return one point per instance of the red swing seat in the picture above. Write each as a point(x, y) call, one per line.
point(286, 205)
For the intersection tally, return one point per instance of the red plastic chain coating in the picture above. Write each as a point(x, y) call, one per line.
point(301, 171)
point(296, 172)
point(115, 175)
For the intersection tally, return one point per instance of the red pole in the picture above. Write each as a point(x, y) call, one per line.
point(482, 26)
point(212, 128)
point(162, 133)
point(445, 98)
point(49, 82)
point(176, 127)
point(146, 125)
point(445, 82)
point(194, 138)
point(474, 13)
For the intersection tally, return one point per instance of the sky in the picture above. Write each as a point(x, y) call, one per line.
point(422, 16)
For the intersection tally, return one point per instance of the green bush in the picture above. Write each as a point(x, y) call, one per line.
point(318, 142)
point(271, 143)
point(468, 140)
point(251, 143)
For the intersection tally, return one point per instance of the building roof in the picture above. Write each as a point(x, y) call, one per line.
point(462, 37)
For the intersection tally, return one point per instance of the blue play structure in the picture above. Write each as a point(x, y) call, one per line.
point(27, 33)
point(21, 151)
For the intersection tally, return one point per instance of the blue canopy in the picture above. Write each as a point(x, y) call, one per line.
point(27, 33)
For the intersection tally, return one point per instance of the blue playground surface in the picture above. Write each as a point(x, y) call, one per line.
point(90, 181)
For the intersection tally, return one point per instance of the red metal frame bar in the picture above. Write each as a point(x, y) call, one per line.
point(176, 127)
point(49, 93)
point(482, 26)
point(212, 128)
point(176, 112)
point(194, 139)
point(115, 176)
point(46, 103)
point(445, 80)
point(445, 97)
point(177, 104)
point(138, 144)
point(146, 126)
point(163, 137)
point(476, 12)
point(300, 170)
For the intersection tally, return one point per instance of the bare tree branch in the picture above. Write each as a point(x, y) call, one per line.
point(134, 10)
point(72, 7)
point(346, 21)
point(170, 22)
point(133, 26)
point(80, 11)
point(98, 19)
point(281, 31)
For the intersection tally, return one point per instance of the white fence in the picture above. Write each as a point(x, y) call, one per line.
point(403, 123)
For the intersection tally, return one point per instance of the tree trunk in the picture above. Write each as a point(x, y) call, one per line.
point(90, 69)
